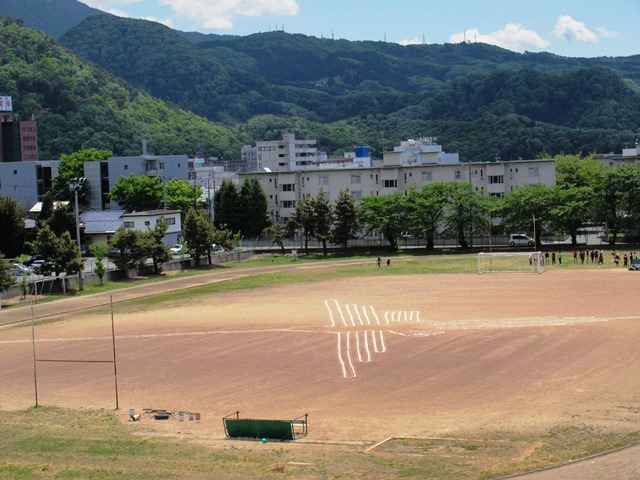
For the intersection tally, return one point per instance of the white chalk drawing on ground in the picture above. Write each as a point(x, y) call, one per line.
point(361, 334)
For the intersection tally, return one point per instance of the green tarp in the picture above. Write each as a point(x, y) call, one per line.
point(251, 428)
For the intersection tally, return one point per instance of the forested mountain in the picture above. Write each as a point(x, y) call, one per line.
point(53, 17)
point(80, 106)
point(479, 100)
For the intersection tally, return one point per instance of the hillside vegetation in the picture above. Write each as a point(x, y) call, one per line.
point(78, 105)
point(479, 100)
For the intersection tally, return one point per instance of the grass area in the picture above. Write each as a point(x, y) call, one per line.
point(408, 262)
point(48, 442)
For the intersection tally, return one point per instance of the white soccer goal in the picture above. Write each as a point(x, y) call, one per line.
point(510, 262)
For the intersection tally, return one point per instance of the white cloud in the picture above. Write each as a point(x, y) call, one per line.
point(207, 14)
point(108, 5)
point(411, 41)
point(571, 30)
point(512, 37)
point(604, 33)
point(221, 13)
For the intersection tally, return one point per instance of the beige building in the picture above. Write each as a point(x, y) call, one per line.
point(289, 153)
point(285, 188)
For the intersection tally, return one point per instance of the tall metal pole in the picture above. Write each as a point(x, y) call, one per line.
point(76, 184)
point(113, 341)
point(33, 350)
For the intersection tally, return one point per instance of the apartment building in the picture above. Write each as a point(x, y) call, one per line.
point(289, 153)
point(398, 171)
point(102, 176)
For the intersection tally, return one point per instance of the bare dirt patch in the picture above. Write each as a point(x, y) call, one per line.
point(367, 358)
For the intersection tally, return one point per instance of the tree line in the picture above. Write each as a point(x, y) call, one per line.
point(587, 192)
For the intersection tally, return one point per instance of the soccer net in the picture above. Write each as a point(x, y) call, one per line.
point(510, 262)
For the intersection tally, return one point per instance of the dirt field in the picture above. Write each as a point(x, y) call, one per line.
point(367, 359)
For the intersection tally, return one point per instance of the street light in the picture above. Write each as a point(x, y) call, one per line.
point(76, 185)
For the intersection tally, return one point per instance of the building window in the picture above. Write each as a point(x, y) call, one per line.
point(496, 179)
point(288, 187)
point(356, 194)
point(171, 220)
point(355, 180)
point(458, 175)
point(323, 180)
point(391, 184)
point(534, 171)
point(288, 204)
point(147, 223)
point(126, 167)
point(128, 225)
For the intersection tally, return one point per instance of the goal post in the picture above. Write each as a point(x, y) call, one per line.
point(510, 262)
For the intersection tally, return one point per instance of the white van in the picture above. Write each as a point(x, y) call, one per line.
point(519, 239)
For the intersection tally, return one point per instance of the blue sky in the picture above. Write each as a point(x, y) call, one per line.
point(574, 28)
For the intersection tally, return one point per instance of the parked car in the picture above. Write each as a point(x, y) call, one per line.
point(19, 269)
point(519, 239)
point(38, 265)
point(34, 258)
point(177, 249)
point(217, 248)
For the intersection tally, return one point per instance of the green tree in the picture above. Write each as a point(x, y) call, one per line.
point(466, 212)
point(303, 218)
point(129, 245)
point(631, 189)
point(153, 247)
point(571, 209)
point(63, 219)
point(253, 208)
point(526, 209)
point(12, 226)
point(46, 244)
point(7, 278)
point(46, 210)
point(137, 193)
point(198, 232)
point(100, 251)
point(227, 209)
point(322, 218)
point(226, 238)
point(345, 219)
point(66, 257)
point(72, 166)
point(181, 195)
point(385, 213)
point(276, 233)
point(429, 204)
point(573, 171)
point(617, 200)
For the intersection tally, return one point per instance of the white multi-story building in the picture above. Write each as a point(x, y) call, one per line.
point(281, 155)
point(285, 188)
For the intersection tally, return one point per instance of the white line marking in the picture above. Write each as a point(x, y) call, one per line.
point(366, 346)
point(355, 308)
point(364, 310)
point(353, 369)
point(344, 367)
point(333, 322)
point(384, 347)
